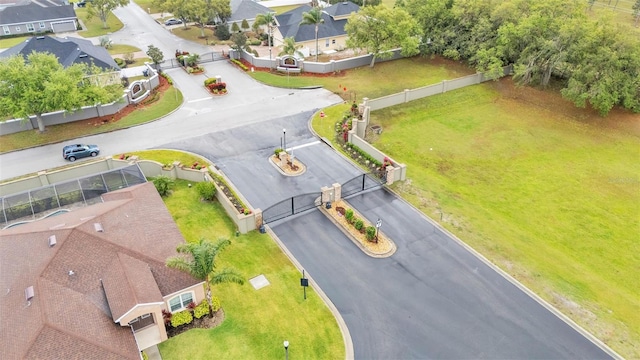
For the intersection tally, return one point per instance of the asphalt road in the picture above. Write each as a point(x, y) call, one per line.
point(431, 299)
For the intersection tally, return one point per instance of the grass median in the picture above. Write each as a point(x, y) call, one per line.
point(256, 321)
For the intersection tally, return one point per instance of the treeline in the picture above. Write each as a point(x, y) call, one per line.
point(597, 59)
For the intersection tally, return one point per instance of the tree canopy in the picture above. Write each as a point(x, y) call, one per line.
point(379, 29)
point(313, 17)
point(199, 260)
point(102, 8)
point(595, 58)
point(40, 84)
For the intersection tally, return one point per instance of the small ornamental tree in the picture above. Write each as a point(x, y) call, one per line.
point(245, 25)
point(222, 32)
point(155, 54)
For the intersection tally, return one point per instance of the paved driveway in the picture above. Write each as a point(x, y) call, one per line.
point(431, 299)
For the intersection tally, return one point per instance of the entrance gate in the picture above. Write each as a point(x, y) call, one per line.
point(361, 183)
point(291, 206)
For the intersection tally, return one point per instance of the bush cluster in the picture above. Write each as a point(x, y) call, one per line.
point(219, 180)
point(209, 81)
point(201, 310)
point(169, 80)
point(181, 318)
point(120, 62)
point(206, 190)
point(371, 233)
point(364, 154)
point(217, 86)
point(240, 64)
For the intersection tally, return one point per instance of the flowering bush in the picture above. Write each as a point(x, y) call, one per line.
point(181, 318)
point(217, 86)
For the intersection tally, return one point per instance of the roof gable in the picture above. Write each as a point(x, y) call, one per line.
point(289, 25)
point(69, 51)
point(69, 296)
point(246, 9)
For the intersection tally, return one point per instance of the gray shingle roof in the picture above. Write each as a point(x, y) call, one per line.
point(32, 12)
point(290, 22)
point(69, 51)
point(246, 9)
point(70, 316)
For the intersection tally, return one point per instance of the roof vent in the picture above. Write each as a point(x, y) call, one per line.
point(52, 241)
point(28, 293)
point(98, 227)
point(82, 56)
point(71, 273)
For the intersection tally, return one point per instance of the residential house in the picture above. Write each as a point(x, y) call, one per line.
point(92, 283)
point(37, 17)
point(245, 10)
point(331, 33)
point(69, 51)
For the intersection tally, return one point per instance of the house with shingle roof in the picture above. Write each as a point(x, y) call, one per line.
point(245, 10)
point(69, 51)
point(37, 17)
point(331, 33)
point(92, 283)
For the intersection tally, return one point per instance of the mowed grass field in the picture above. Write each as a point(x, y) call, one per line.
point(256, 321)
point(548, 192)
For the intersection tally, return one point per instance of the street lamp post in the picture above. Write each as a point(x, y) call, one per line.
point(378, 225)
point(284, 136)
point(286, 350)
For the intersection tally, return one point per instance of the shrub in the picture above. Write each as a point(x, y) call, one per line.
point(348, 215)
point(277, 151)
point(207, 190)
point(222, 32)
point(358, 224)
point(181, 318)
point(217, 86)
point(240, 64)
point(255, 42)
point(209, 81)
point(163, 184)
point(371, 233)
point(215, 303)
point(169, 80)
point(166, 316)
point(128, 58)
point(120, 62)
point(201, 310)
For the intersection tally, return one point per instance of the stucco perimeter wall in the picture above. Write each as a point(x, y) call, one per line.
point(62, 117)
point(317, 67)
point(425, 91)
point(400, 173)
point(245, 223)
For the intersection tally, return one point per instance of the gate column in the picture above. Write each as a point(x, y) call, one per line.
point(337, 192)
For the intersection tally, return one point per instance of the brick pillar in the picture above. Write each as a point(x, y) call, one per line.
point(326, 194)
point(337, 192)
point(390, 174)
point(258, 217)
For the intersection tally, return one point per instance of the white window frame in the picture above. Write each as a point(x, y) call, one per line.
point(42, 25)
point(6, 30)
point(30, 27)
point(326, 43)
point(183, 303)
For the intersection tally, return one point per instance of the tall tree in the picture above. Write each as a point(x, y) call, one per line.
point(155, 55)
point(379, 29)
point(289, 47)
point(220, 10)
point(199, 260)
point(313, 17)
point(268, 19)
point(40, 84)
point(102, 8)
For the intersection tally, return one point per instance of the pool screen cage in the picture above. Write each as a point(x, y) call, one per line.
point(41, 202)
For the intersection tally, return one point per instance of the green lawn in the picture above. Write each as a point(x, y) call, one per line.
point(283, 9)
point(11, 42)
point(256, 321)
point(169, 101)
point(147, 5)
point(116, 49)
point(94, 26)
point(551, 199)
point(374, 82)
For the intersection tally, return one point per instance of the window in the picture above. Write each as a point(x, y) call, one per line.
point(6, 30)
point(42, 26)
point(326, 43)
point(333, 41)
point(30, 27)
point(180, 302)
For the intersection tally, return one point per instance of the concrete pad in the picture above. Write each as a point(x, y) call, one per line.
point(259, 282)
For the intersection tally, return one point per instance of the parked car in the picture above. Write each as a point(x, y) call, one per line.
point(83, 3)
point(173, 21)
point(77, 151)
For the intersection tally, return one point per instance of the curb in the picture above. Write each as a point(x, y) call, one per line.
point(344, 330)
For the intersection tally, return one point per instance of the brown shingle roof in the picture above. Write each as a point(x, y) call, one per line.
point(69, 316)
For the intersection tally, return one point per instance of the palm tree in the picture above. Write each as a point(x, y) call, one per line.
point(268, 19)
point(201, 264)
point(313, 17)
point(289, 47)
